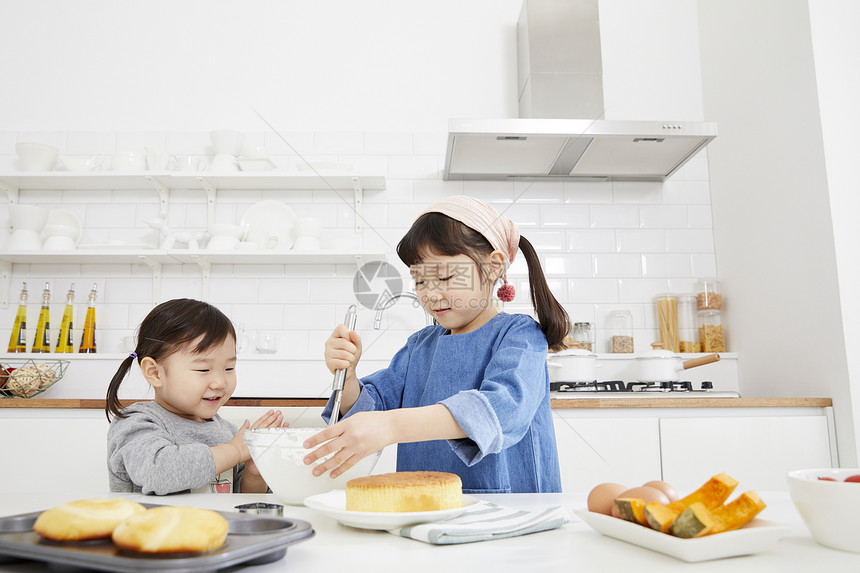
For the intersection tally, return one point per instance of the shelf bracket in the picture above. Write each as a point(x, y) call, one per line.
point(11, 192)
point(163, 194)
point(205, 274)
point(156, 278)
point(358, 203)
point(5, 283)
point(211, 194)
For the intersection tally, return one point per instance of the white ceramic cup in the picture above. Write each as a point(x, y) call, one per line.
point(187, 163)
point(222, 243)
point(128, 161)
point(59, 243)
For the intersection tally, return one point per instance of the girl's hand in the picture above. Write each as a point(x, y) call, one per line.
point(271, 419)
point(352, 439)
point(342, 349)
point(238, 443)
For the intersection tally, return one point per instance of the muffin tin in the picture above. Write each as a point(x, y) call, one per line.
point(251, 540)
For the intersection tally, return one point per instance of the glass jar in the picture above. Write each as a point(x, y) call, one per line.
point(667, 320)
point(688, 333)
point(583, 336)
point(708, 295)
point(711, 331)
point(621, 331)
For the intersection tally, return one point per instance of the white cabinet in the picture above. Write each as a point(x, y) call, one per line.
point(595, 450)
point(757, 451)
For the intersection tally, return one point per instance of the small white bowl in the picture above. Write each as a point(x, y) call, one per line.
point(226, 141)
point(78, 163)
point(829, 508)
point(36, 156)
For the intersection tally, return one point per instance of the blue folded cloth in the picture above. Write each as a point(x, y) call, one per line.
point(485, 521)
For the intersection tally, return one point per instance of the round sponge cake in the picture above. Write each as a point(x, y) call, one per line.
point(170, 529)
point(85, 519)
point(405, 491)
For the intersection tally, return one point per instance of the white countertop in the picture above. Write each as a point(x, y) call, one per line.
point(574, 547)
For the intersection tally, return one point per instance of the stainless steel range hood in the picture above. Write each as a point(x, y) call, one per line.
point(560, 86)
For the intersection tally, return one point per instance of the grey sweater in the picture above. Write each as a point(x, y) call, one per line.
point(156, 451)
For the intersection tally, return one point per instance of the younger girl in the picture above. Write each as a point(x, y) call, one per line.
point(186, 350)
point(469, 395)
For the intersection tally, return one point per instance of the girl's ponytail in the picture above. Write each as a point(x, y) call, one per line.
point(112, 403)
point(552, 317)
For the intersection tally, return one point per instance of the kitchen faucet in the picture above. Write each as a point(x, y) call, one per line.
point(389, 302)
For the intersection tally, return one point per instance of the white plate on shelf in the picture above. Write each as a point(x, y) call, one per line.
point(274, 217)
point(756, 536)
point(333, 504)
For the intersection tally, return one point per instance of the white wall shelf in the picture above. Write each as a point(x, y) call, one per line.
point(209, 181)
point(163, 183)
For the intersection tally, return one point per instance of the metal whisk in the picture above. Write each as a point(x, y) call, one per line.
point(340, 375)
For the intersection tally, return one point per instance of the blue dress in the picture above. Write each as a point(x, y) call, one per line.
point(495, 383)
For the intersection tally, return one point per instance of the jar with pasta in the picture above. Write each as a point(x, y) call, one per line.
point(708, 294)
point(621, 331)
point(711, 331)
point(688, 332)
point(667, 321)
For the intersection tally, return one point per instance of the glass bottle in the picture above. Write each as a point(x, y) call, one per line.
point(18, 340)
point(667, 319)
point(64, 340)
point(621, 331)
point(41, 343)
point(688, 332)
point(88, 339)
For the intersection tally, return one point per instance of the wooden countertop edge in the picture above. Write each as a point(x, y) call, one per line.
point(557, 403)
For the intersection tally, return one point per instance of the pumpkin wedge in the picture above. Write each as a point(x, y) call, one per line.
point(711, 495)
point(694, 521)
point(631, 509)
point(737, 513)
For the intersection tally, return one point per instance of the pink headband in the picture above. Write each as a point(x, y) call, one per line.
point(502, 233)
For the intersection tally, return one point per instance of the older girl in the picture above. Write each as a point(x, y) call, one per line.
point(469, 395)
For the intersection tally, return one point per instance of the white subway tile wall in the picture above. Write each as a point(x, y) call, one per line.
point(604, 245)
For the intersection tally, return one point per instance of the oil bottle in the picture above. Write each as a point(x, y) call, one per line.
point(64, 340)
point(88, 340)
point(41, 342)
point(18, 340)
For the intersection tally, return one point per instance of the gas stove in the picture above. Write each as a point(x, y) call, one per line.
point(620, 389)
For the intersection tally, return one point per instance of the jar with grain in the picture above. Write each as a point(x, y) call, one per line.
point(621, 331)
point(708, 294)
point(711, 331)
point(667, 320)
point(688, 332)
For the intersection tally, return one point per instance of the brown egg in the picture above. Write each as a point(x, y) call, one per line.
point(646, 494)
point(601, 499)
point(667, 489)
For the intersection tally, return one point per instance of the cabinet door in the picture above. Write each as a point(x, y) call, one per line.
point(54, 454)
point(597, 450)
point(756, 451)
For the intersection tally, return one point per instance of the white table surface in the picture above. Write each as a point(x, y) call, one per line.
point(572, 548)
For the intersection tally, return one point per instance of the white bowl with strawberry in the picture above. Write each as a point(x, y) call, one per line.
point(828, 500)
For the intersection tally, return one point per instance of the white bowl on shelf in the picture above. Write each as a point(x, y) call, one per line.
point(227, 141)
point(36, 156)
point(77, 163)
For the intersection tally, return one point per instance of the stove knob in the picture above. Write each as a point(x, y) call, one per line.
point(707, 385)
point(666, 385)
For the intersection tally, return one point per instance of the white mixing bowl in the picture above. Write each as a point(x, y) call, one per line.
point(828, 508)
point(36, 156)
point(278, 453)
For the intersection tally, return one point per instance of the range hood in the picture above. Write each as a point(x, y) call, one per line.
point(560, 86)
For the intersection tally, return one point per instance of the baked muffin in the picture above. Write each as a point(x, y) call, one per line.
point(85, 519)
point(405, 491)
point(169, 529)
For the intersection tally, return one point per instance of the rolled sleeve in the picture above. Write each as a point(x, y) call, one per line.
point(478, 420)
